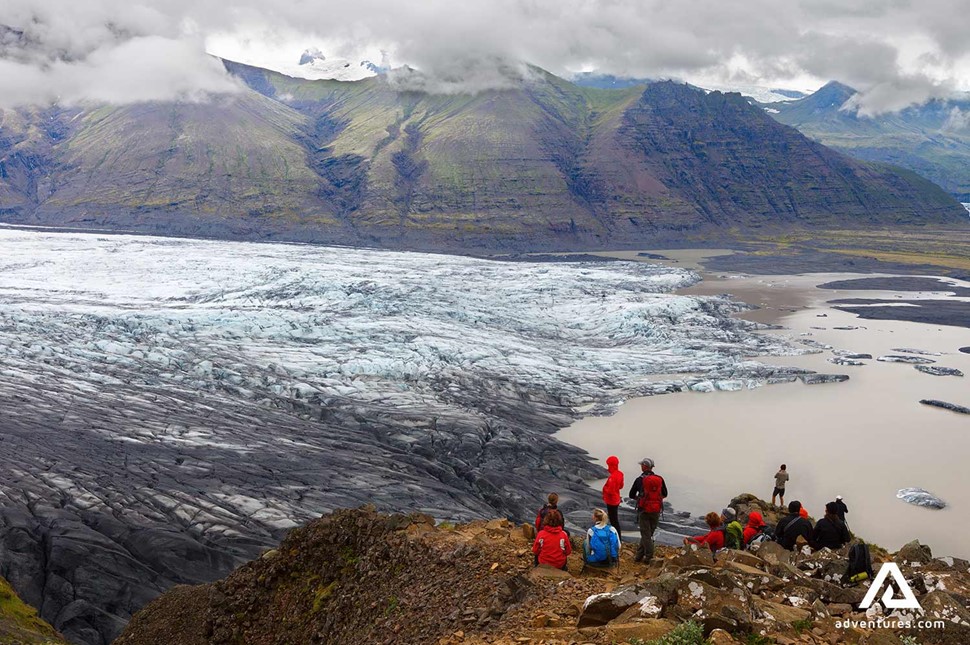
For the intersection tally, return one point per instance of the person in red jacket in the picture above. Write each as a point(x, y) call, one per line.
point(611, 493)
point(756, 523)
point(552, 545)
point(714, 539)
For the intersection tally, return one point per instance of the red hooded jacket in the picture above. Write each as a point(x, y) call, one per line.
point(755, 524)
point(552, 546)
point(613, 485)
point(714, 539)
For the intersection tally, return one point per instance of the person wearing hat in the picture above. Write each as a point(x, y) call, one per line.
point(733, 531)
point(842, 508)
point(756, 524)
point(648, 491)
point(830, 532)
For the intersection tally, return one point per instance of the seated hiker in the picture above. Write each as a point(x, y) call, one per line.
point(551, 504)
point(733, 531)
point(552, 545)
point(714, 539)
point(793, 525)
point(756, 526)
point(830, 531)
point(602, 545)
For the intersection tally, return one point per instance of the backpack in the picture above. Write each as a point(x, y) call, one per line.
point(860, 561)
point(766, 534)
point(652, 499)
point(601, 545)
point(733, 535)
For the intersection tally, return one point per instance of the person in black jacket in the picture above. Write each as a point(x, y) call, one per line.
point(793, 525)
point(830, 531)
point(842, 508)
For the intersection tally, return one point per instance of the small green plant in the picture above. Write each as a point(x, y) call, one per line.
point(758, 639)
point(802, 625)
point(392, 604)
point(909, 640)
point(322, 594)
point(689, 633)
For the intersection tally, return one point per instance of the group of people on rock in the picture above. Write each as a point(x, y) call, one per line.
point(601, 546)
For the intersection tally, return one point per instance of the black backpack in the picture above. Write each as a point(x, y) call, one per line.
point(860, 561)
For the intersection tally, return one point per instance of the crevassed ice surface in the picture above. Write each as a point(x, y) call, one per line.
point(167, 407)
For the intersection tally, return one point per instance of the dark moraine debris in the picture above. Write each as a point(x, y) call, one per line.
point(955, 313)
point(912, 360)
point(965, 350)
point(921, 352)
point(652, 256)
point(953, 407)
point(920, 497)
point(815, 379)
point(858, 356)
point(841, 360)
point(936, 370)
point(910, 283)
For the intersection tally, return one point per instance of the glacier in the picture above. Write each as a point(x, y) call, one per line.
point(169, 407)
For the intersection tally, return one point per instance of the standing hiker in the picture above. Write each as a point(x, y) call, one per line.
point(648, 491)
point(781, 477)
point(611, 493)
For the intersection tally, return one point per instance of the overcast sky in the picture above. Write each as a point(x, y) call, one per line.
point(897, 52)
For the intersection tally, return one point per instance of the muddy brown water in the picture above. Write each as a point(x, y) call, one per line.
point(864, 438)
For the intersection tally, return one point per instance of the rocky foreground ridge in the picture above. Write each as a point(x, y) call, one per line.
point(357, 576)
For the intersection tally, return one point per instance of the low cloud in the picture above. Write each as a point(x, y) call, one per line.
point(895, 52)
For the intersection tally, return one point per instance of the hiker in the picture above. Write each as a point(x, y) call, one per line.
point(611, 493)
point(793, 525)
point(602, 545)
point(714, 538)
point(733, 531)
point(756, 525)
point(803, 512)
point(830, 531)
point(842, 509)
point(552, 545)
point(780, 478)
point(551, 504)
point(648, 491)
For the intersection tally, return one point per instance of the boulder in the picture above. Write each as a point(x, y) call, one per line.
point(741, 557)
point(936, 370)
point(939, 605)
point(600, 609)
point(778, 614)
point(915, 552)
point(774, 553)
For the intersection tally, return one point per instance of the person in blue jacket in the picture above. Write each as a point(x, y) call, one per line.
point(602, 545)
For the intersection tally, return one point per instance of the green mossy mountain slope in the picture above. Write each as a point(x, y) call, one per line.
point(544, 165)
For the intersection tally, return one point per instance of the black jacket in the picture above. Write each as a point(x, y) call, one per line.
point(637, 489)
point(843, 509)
point(829, 533)
point(790, 527)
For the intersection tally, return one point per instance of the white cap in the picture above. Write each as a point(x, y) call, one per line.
point(838, 497)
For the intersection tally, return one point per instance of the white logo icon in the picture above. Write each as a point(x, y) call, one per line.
point(908, 601)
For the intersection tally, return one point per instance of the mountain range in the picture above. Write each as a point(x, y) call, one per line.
point(932, 139)
point(545, 164)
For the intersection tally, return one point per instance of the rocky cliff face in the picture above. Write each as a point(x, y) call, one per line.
point(545, 165)
point(361, 577)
